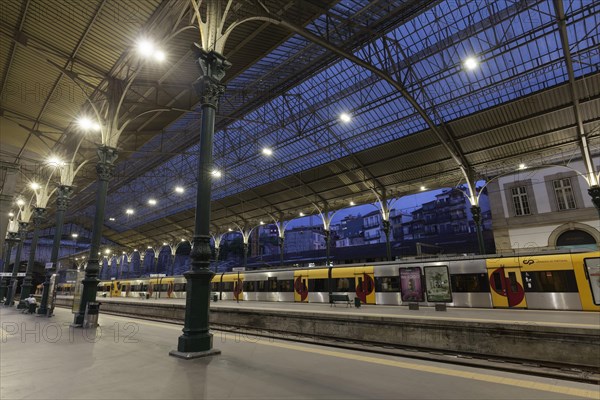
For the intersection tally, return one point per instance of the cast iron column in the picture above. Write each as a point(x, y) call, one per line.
point(281, 242)
point(327, 240)
point(39, 214)
point(245, 250)
point(63, 195)
point(105, 169)
point(476, 211)
point(594, 192)
point(217, 251)
point(196, 340)
point(12, 289)
point(386, 231)
point(11, 239)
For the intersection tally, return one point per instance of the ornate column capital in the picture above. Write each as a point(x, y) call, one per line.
point(105, 167)
point(39, 215)
point(63, 197)
point(23, 229)
point(212, 67)
point(12, 237)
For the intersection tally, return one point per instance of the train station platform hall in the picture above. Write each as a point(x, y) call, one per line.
point(124, 358)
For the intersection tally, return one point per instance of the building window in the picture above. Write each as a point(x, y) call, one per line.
point(564, 194)
point(519, 195)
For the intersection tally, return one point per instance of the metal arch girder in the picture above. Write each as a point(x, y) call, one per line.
point(582, 137)
point(443, 135)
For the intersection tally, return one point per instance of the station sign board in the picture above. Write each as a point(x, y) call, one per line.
point(158, 275)
point(238, 269)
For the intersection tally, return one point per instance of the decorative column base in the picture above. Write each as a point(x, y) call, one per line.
point(3, 288)
point(10, 294)
point(43, 308)
point(25, 290)
point(196, 340)
point(89, 284)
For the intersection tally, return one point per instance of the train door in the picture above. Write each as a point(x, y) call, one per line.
point(506, 286)
point(301, 286)
point(365, 285)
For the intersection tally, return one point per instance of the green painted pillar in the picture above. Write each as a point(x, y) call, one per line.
point(388, 246)
point(245, 258)
point(327, 243)
point(12, 289)
point(594, 193)
point(39, 214)
point(11, 239)
point(105, 169)
point(196, 340)
point(476, 211)
point(63, 195)
point(281, 243)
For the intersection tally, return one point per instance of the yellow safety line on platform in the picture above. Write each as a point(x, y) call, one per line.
point(444, 371)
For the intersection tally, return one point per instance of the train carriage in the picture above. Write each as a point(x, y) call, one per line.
point(268, 286)
point(562, 281)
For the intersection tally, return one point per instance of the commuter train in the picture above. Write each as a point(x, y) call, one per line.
point(569, 281)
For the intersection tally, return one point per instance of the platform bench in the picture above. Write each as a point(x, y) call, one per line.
point(344, 298)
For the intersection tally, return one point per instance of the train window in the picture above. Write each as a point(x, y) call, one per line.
point(227, 286)
point(214, 286)
point(470, 283)
point(249, 286)
point(387, 284)
point(497, 280)
point(343, 285)
point(592, 269)
point(286, 285)
point(261, 286)
point(272, 284)
point(144, 288)
point(164, 287)
point(317, 285)
point(549, 281)
point(180, 287)
point(514, 285)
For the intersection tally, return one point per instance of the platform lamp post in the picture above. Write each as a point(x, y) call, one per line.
point(12, 238)
point(107, 119)
point(42, 195)
point(23, 220)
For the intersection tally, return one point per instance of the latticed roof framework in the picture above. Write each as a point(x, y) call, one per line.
point(516, 106)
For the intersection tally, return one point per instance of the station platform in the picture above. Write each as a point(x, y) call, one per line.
point(514, 336)
point(124, 358)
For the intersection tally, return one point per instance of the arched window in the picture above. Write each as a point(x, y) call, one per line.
point(574, 239)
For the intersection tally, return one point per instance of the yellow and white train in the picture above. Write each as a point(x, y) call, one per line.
point(562, 281)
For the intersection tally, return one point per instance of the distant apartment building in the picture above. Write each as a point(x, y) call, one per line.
point(450, 213)
point(350, 232)
point(306, 238)
point(544, 209)
point(373, 228)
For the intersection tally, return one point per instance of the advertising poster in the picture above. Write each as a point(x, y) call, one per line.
point(410, 284)
point(437, 283)
point(592, 266)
